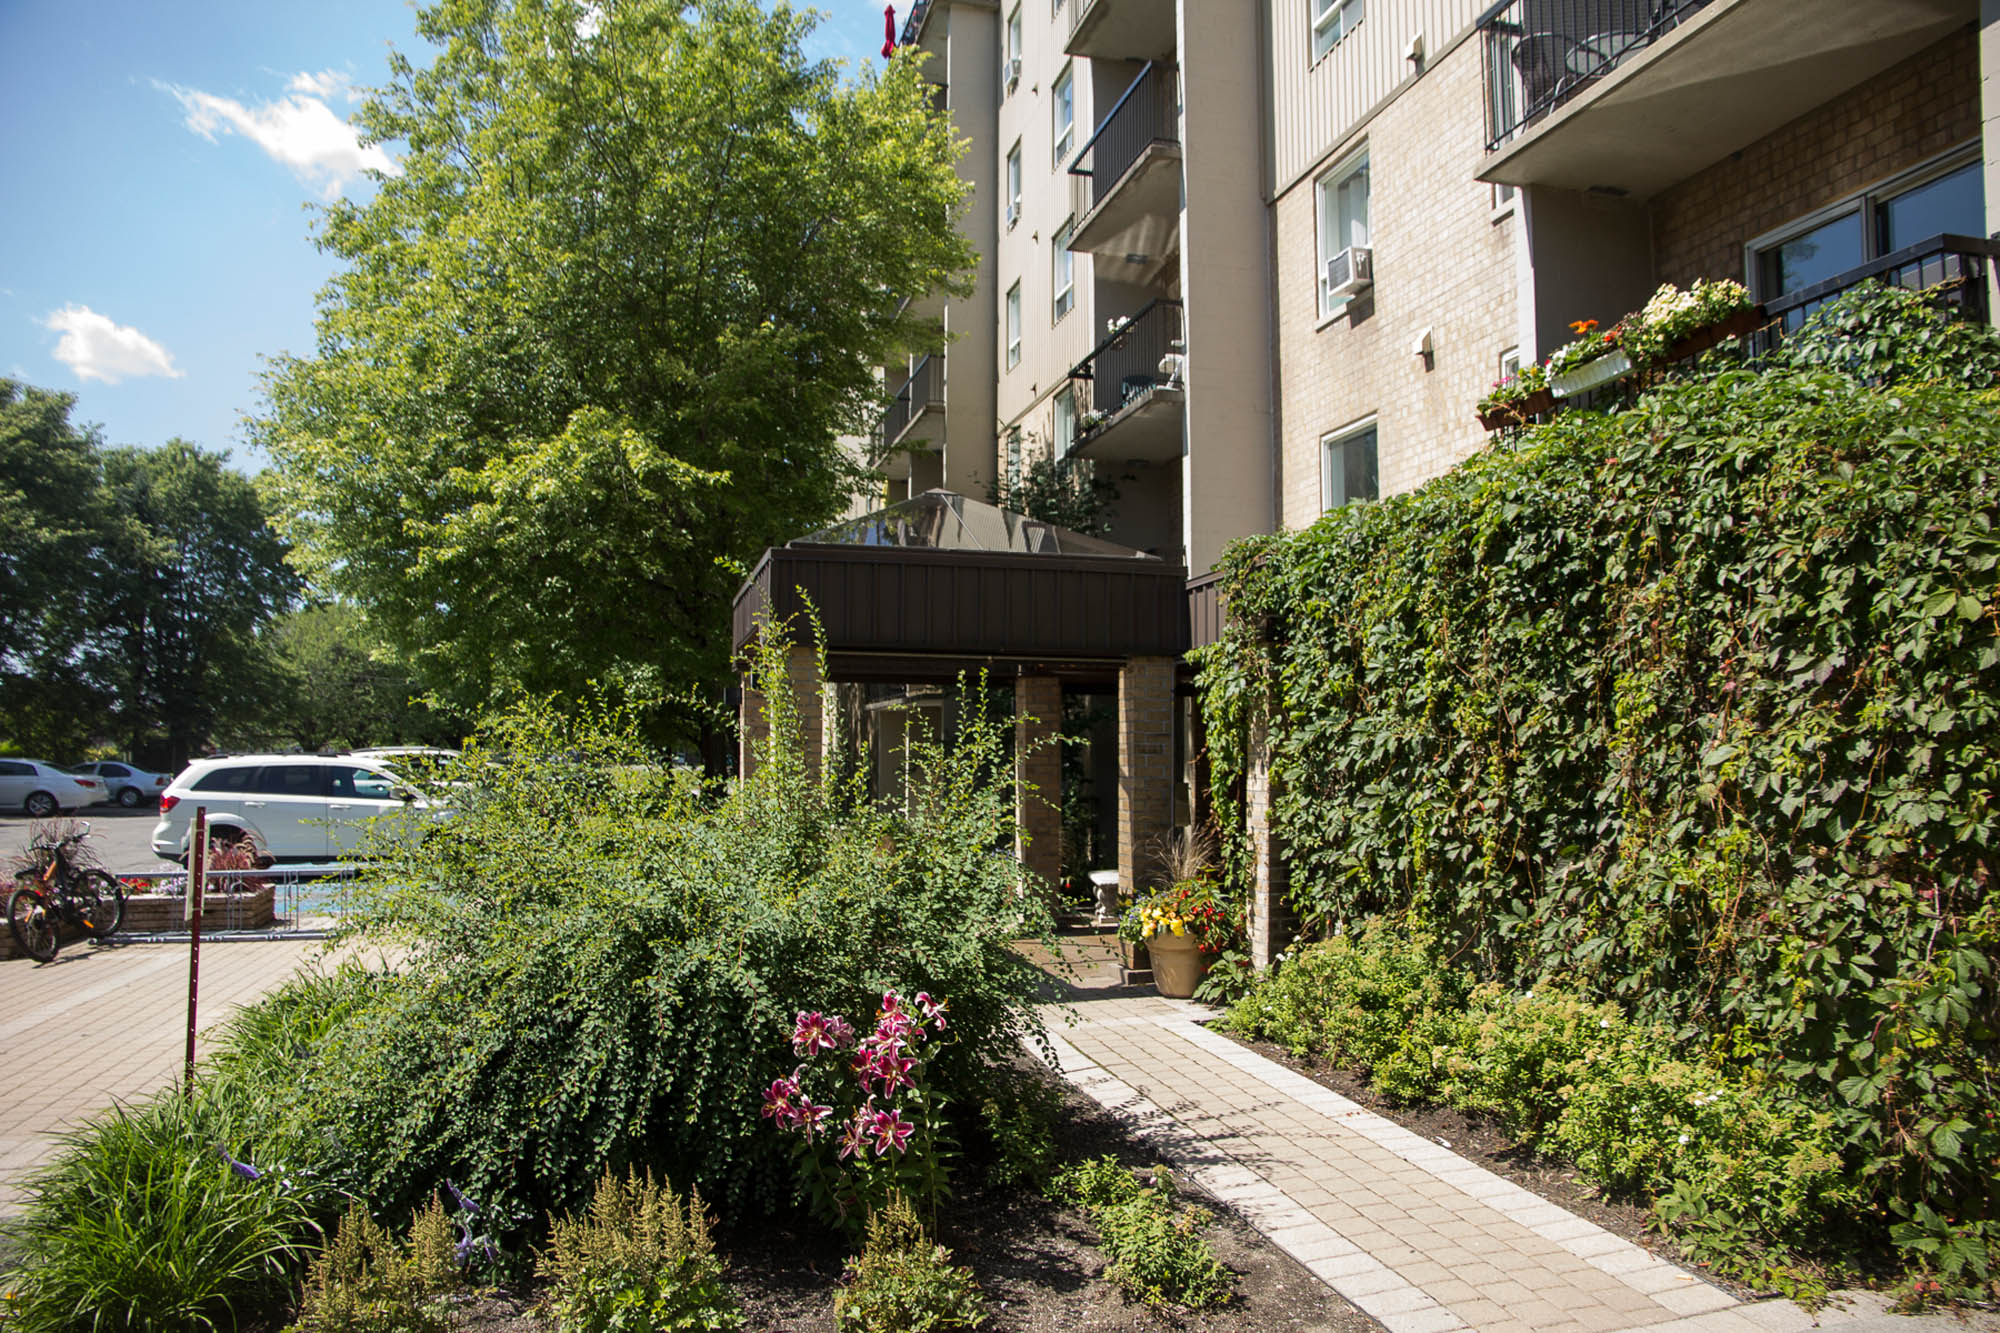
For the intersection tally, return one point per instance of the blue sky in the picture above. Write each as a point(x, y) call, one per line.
point(160, 159)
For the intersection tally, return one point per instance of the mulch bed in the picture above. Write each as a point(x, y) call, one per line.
point(1037, 1262)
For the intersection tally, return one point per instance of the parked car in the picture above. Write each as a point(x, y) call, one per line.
point(128, 786)
point(297, 807)
point(40, 789)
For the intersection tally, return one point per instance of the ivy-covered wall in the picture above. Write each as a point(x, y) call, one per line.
point(1692, 706)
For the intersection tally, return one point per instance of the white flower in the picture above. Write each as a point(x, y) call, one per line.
point(1684, 1138)
point(1604, 1022)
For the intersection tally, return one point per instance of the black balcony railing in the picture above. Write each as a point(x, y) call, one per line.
point(1951, 268)
point(924, 390)
point(1141, 117)
point(1541, 53)
point(1126, 365)
point(914, 23)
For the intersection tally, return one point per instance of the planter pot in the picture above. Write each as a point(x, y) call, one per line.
point(1603, 370)
point(1519, 412)
point(1134, 956)
point(1737, 325)
point(152, 913)
point(1178, 965)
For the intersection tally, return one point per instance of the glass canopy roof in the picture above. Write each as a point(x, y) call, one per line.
point(945, 521)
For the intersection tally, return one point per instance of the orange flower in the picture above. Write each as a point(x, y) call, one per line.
point(1583, 326)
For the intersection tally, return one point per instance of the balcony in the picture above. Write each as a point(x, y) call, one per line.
point(1951, 268)
point(1132, 409)
point(1121, 29)
point(1628, 97)
point(1133, 163)
point(918, 404)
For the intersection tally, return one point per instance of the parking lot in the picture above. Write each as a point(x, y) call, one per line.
point(108, 1023)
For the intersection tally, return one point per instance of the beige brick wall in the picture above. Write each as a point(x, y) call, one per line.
point(1145, 770)
point(1894, 121)
point(1442, 262)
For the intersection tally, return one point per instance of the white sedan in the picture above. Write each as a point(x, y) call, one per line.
point(130, 787)
point(40, 789)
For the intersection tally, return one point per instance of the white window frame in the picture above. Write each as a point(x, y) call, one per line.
point(1014, 325)
point(1864, 202)
point(1014, 184)
point(1331, 21)
point(1062, 113)
point(1014, 48)
point(1064, 428)
point(1062, 273)
point(1338, 439)
point(1326, 196)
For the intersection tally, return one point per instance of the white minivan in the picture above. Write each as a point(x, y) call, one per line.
point(297, 807)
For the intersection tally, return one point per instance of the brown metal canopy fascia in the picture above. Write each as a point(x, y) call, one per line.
point(890, 602)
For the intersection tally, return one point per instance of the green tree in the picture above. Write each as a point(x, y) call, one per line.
point(193, 570)
point(593, 348)
point(336, 685)
point(52, 522)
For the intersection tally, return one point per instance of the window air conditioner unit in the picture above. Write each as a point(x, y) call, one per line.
point(1012, 69)
point(1013, 214)
point(1350, 272)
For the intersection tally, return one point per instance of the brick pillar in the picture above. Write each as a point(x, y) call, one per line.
point(1145, 769)
point(1038, 779)
point(808, 703)
point(1272, 921)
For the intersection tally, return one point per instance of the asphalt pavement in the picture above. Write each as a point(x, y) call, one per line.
point(122, 839)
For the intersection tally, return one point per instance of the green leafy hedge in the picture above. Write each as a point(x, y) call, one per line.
point(1692, 707)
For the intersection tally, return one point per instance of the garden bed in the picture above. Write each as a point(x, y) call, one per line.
point(152, 913)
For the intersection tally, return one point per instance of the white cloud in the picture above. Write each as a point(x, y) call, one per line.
point(97, 348)
point(300, 130)
point(325, 85)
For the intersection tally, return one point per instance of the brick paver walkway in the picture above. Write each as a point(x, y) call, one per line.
point(101, 1025)
point(1403, 1228)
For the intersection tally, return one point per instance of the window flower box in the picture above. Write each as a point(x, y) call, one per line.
point(1736, 326)
point(1516, 412)
point(1604, 369)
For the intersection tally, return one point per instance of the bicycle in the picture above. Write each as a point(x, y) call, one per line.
point(62, 891)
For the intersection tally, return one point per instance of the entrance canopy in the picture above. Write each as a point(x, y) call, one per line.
point(941, 584)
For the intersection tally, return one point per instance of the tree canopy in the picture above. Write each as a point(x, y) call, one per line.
point(593, 349)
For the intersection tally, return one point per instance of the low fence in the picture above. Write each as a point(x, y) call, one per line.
point(281, 902)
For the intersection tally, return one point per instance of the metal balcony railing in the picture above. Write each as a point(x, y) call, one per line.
point(1142, 116)
point(1951, 267)
point(914, 23)
point(924, 390)
point(1126, 365)
point(1541, 53)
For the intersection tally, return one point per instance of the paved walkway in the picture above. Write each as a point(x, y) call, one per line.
point(1404, 1229)
point(101, 1025)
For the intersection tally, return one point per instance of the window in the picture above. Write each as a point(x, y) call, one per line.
point(1946, 195)
point(1010, 67)
point(1347, 468)
point(1065, 422)
point(1063, 108)
point(225, 779)
point(1014, 326)
point(1055, 8)
point(1333, 20)
point(1014, 183)
point(1013, 458)
point(1343, 220)
point(1510, 364)
point(289, 780)
point(1062, 272)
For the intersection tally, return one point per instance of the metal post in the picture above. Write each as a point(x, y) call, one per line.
point(197, 876)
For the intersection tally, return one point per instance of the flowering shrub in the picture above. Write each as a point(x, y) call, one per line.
point(1588, 346)
point(1187, 908)
point(876, 1149)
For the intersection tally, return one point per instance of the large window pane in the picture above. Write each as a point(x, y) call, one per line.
point(1349, 471)
point(1826, 251)
point(1955, 202)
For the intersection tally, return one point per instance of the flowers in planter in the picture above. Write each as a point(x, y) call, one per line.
point(1672, 314)
point(1588, 346)
point(1188, 908)
point(1525, 383)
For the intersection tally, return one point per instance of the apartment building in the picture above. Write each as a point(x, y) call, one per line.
point(1255, 259)
point(1456, 183)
